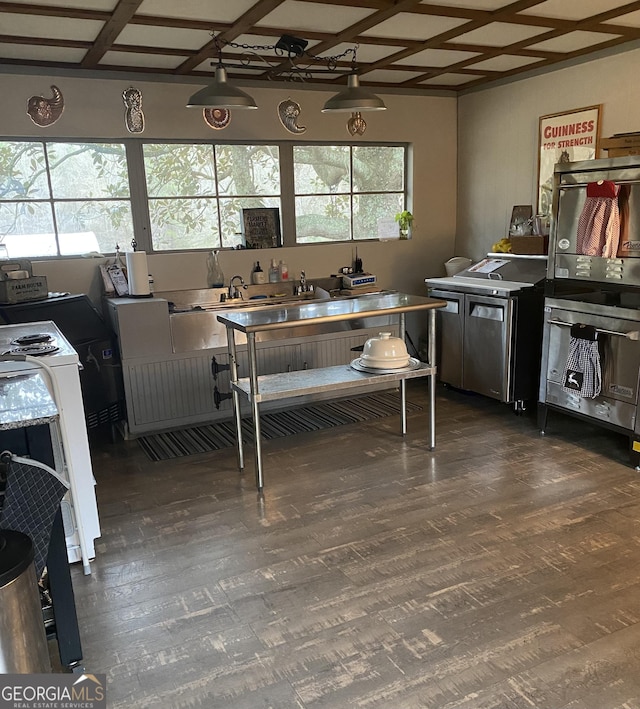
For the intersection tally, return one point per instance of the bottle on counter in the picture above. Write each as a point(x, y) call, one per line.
point(215, 276)
point(274, 272)
point(284, 271)
point(258, 276)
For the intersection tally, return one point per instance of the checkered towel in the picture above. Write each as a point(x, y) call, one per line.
point(599, 222)
point(582, 372)
point(31, 500)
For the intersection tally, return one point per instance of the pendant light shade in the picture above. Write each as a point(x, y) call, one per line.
point(354, 98)
point(220, 94)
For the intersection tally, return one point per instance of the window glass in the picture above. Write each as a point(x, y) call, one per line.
point(369, 208)
point(87, 170)
point(321, 218)
point(248, 169)
point(378, 168)
point(88, 209)
point(23, 171)
point(322, 169)
point(179, 170)
point(231, 215)
point(184, 223)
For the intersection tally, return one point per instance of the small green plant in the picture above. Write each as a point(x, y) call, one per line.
point(404, 219)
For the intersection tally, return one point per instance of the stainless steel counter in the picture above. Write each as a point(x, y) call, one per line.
point(312, 318)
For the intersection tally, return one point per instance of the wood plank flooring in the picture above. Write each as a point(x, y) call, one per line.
point(500, 571)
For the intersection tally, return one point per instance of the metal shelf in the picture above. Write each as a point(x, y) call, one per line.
point(286, 385)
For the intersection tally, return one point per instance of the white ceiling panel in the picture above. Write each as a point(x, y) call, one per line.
point(364, 52)
point(151, 61)
point(207, 10)
point(106, 5)
point(44, 54)
point(571, 9)
point(437, 57)
point(405, 25)
point(632, 19)
point(295, 16)
point(52, 27)
point(170, 37)
point(505, 62)
point(470, 4)
point(449, 80)
point(573, 41)
point(388, 75)
point(499, 34)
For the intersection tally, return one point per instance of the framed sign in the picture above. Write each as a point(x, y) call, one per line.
point(570, 136)
point(261, 227)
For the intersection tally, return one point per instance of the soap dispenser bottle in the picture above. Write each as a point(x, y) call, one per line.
point(274, 272)
point(215, 277)
point(258, 276)
point(284, 271)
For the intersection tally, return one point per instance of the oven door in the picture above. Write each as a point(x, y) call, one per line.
point(619, 357)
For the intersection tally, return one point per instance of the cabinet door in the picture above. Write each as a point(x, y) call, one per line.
point(449, 334)
point(487, 345)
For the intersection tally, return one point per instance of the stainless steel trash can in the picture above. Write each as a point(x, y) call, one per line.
point(23, 640)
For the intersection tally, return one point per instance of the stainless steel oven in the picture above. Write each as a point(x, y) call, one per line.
point(617, 330)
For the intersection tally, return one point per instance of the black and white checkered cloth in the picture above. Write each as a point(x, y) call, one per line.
point(582, 372)
point(32, 497)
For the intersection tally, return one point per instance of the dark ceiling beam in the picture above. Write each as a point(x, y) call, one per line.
point(123, 12)
point(240, 26)
point(48, 11)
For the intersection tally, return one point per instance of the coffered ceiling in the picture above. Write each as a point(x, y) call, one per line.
point(405, 44)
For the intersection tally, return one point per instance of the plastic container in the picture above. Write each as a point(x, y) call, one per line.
point(284, 271)
point(215, 276)
point(274, 272)
point(258, 276)
point(456, 264)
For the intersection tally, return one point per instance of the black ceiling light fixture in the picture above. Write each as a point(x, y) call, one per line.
point(291, 62)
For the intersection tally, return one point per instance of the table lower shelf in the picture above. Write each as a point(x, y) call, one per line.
point(283, 385)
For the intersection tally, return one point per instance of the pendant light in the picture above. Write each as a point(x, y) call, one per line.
point(353, 99)
point(221, 94)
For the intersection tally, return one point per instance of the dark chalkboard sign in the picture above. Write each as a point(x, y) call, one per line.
point(261, 227)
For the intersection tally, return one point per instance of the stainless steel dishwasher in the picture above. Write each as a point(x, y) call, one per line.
point(490, 331)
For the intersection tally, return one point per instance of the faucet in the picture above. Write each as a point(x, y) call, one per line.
point(234, 293)
point(303, 287)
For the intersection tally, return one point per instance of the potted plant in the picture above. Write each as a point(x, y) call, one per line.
point(404, 219)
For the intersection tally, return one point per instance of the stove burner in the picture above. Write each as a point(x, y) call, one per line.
point(33, 350)
point(32, 339)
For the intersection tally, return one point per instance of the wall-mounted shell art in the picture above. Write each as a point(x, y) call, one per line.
point(288, 112)
point(46, 111)
point(216, 118)
point(133, 115)
point(356, 124)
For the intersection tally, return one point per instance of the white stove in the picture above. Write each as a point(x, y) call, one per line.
point(51, 351)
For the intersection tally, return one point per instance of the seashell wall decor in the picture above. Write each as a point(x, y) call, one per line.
point(46, 111)
point(356, 124)
point(216, 118)
point(288, 112)
point(133, 115)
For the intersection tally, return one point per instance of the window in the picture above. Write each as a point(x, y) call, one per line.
point(342, 191)
point(59, 199)
point(197, 192)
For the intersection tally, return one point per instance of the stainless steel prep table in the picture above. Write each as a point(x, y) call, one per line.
point(304, 317)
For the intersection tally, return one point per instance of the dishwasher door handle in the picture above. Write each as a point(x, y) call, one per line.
point(631, 335)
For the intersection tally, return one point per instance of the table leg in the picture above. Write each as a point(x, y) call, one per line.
point(432, 379)
point(233, 375)
point(255, 412)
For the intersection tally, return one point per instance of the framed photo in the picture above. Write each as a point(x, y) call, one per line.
point(261, 227)
point(570, 136)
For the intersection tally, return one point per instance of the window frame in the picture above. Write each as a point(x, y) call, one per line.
point(139, 199)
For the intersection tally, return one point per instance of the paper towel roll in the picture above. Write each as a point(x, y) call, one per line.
point(138, 273)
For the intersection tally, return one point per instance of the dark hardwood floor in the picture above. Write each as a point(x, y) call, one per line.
point(500, 571)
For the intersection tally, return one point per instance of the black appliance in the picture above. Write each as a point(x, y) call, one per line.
point(90, 336)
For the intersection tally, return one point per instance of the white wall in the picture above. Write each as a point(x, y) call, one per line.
point(94, 108)
point(498, 139)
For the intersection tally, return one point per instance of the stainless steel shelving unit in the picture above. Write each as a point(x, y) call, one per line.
point(310, 319)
